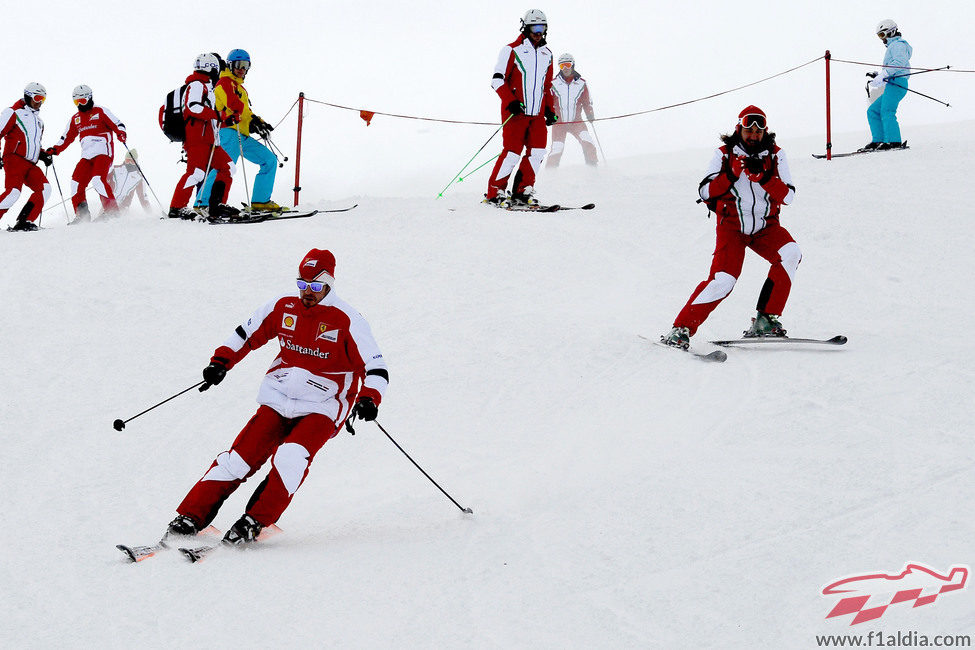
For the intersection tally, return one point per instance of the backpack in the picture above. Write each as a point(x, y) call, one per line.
point(171, 116)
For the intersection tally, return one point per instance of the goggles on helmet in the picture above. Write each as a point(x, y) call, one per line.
point(752, 120)
point(537, 29)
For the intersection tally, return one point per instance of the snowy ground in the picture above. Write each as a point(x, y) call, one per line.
point(624, 495)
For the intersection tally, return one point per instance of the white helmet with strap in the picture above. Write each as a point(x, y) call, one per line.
point(886, 28)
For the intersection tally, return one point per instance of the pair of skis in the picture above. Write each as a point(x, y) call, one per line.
point(859, 152)
point(545, 208)
point(720, 356)
point(194, 554)
point(259, 216)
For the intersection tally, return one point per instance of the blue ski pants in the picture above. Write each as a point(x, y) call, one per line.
point(882, 114)
point(254, 152)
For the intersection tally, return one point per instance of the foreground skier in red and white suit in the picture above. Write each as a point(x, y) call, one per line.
point(747, 183)
point(329, 365)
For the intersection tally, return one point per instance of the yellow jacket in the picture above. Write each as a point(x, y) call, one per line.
point(232, 98)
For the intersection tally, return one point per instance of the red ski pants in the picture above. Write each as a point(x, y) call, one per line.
point(291, 444)
point(198, 158)
point(18, 171)
point(521, 132)
point(773, 243)
point(88, 170)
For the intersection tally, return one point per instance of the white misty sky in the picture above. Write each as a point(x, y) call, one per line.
point(421, 58)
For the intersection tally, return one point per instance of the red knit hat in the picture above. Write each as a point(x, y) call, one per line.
point(318, 266)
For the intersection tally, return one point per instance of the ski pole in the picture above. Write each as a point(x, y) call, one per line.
point(457, 175)
point(348, 425)
point(119, 424)
point(142, 173)
point(460, 179)
point(240, 144)
point(267, 143)
point(275, 148)
point(911, 74)
point(54, 169)
point(921, 94)
point(592, 125)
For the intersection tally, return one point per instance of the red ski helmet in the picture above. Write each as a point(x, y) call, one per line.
point(318, 266)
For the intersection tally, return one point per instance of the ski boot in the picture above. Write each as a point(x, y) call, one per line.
point(23, 225)
point(268, 206)
point(870, 146)
point(244, 531)
point(887, 146)
point(679, 337)
point(82, 214)
point(499, 200)
point(182, 213)
point(525, 198)
point(179, 530)
point(223, 212)
point(764, 325)
point(202, 211)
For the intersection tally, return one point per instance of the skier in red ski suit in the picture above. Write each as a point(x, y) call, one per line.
point(328, 367)
point(94, 126)
point(523, 81)
point(202, 150)
point(571, 100)
point(21, 129)
point(747, 183)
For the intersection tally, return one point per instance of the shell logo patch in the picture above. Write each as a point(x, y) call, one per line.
point(289, 321)
point(325, 334)
point(77, 119)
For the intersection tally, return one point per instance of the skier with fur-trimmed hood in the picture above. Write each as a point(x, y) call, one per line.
point(747, 183)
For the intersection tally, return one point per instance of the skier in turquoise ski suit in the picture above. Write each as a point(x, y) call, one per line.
point(882, 114)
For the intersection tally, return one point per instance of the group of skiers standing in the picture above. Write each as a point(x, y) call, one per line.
point(218, 127)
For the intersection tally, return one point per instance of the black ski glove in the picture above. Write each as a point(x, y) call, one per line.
point(260, 126)
point(550, 117)
point(46, 158)
point(516, 108)
point(231, 120)
point(214, 373)
point(365, 409)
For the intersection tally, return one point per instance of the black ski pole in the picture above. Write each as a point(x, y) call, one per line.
point(119, 424)
point(348, 425)
point(921, 94)
point(911, 74)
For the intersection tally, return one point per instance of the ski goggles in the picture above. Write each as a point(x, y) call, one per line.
point(240, 65)
point(38, 98)
point(537, 29)
point(81, 100)
point(752, 120)
point(566, 66)
point(317, 287)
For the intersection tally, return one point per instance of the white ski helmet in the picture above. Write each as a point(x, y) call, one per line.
point(567, 58)
point(534, 17)
point(886, 28)
point(207, 63)
point(81, 92)
point(34, 89)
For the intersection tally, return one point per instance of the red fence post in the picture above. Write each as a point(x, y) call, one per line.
point(301, 115)
point(829, 130)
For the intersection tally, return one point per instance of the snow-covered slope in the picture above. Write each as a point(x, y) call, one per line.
point(624, 495)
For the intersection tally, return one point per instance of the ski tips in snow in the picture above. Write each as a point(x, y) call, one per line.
point(717, 356)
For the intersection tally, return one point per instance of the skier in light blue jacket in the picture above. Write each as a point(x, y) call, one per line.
point(890, 87)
